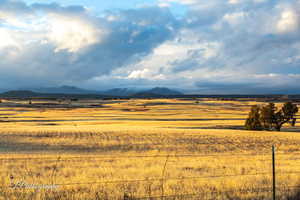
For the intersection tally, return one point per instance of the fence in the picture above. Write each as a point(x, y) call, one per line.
point(272, 189)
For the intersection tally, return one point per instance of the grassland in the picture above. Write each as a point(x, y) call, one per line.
point(142, 148)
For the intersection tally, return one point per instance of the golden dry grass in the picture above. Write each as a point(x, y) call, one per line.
point(198, 148)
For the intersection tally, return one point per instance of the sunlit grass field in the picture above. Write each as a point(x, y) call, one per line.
point(138, 149)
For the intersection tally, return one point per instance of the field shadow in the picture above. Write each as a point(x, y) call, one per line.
point(238, 127)
point(15, 146)
point(295, 196)
point(215, 127)
point(179, 119)
point(295, 193)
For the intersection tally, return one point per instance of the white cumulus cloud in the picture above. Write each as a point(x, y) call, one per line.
point(73, 34)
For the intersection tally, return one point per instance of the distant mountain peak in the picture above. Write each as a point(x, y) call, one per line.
point(64, 89)
point(19, 93)
point(158, 91)
point(164, 91)
point(68, 87)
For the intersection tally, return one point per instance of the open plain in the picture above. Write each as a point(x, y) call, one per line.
point(142, 149)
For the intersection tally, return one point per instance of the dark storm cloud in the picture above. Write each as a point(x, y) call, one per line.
point(128, 35)
point(133, 35)
point(233, 46)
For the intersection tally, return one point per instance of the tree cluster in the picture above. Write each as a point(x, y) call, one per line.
point(268, 117)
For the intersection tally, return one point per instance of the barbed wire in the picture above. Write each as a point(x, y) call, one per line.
point(206, 193)
point(261, 189)
point(60, 158)
point(172, 178)
point(98, 157)
point(159, 179)
point(252, 190)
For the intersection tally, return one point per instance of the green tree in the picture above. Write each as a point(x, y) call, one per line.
point(253, 121)
point(268, 117)
point(286, 115)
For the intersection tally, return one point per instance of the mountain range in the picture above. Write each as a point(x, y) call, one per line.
point(75, 91)
point(111, 92)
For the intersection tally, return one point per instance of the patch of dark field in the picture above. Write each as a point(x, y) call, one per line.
point(214, 127)
point(217, 109)
point(222, 104)
point(71, 120)
point(22, 117)
point(235, 109)
point(23, 111)
point(128, 119)
point(48, 124)
point(291, 129)
point(7, 114)
point(58, 134)
point(121, 115)
point(8, 110)
point(31, 147)
point(185, 119)
point(113, 102)
point(189, 144)
point(15, 110)
point(215, 114)
point(50, 106)
point(241, 128)
point(212, 104)
point(165, 103)
point(135, 110)
point(233, 106)
point(167, 109)
point(93, 116)
point(159, 114)
point(107, 118)
point(241, 114)
point(95, 102)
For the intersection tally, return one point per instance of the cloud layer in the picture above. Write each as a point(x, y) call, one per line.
point(217, 46)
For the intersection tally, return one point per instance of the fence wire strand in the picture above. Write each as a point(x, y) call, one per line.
point(153, 179)
point(100, 157)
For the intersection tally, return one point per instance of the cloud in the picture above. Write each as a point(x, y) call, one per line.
point(288, 22)
point(67, 45)
point(216, 46)
point(73, 34)
point(234, 18)
point(253, 84)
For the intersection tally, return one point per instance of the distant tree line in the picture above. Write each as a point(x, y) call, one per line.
point(269, 117)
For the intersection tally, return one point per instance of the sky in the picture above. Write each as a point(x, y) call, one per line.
point(197, 46)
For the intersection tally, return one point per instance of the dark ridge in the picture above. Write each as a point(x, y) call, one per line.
point(27, 94)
